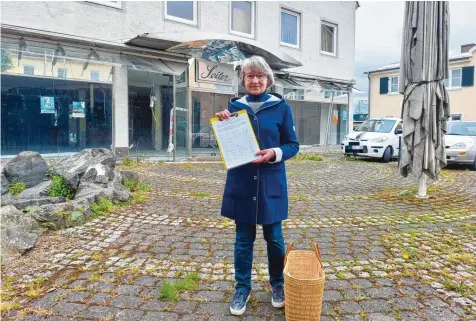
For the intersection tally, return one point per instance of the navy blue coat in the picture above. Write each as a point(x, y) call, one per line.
point(257, 193)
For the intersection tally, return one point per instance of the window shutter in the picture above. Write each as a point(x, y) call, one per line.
point(383, 85)
point(468, 76)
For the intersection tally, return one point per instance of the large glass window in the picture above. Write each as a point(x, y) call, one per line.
point(242, 16)
point(48, 115)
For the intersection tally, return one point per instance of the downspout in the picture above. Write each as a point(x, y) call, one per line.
point(328, 126)
point(370, 88)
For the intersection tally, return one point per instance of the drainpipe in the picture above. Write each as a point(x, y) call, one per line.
point(328, 126)
point(370, 88)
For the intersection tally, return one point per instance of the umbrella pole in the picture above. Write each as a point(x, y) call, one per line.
point(422, 187)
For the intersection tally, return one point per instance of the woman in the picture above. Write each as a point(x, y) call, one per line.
point(256, 193)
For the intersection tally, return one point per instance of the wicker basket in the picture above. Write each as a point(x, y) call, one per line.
point(303, 284)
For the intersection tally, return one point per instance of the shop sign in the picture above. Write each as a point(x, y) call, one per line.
point(78, 109)
point(335, 116)
point(47, 105)
point(214, 73)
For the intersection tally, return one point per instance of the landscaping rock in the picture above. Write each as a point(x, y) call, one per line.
point(27, 167)
point(74, 167)
point(54, 216)
point(19, 231)
point(92, 192)
point(130, 176)
point(38, 191)
point(21, 204)
point(98, 173)
point(4, 184)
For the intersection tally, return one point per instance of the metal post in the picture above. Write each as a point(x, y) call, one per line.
point(174, 105)
point(399, 149)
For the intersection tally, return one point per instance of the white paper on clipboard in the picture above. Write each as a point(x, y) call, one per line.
point(236, 140)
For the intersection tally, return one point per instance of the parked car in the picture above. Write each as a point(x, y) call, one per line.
point(205, 138)
point(460, 140)
point(376, 138)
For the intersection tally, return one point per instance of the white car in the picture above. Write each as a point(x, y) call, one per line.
point(376, 138)
point(460, 140)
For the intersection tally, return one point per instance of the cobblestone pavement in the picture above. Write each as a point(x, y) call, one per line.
point(388, 255)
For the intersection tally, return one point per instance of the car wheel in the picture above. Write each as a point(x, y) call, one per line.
point(473, 166)
point(387, 154)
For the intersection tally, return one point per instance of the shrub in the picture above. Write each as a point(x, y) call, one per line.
point(60, 187)
point(16, 188)
point(102, 207)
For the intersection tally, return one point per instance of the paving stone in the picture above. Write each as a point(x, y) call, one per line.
point(327, 308)
point(349, 307)
point(338, 285)
point(383, 292)
point(362, 283)
point(69, 309)
point(212, 308)
point(410, 316)
point(160, 316)
point(145, 281)
point(377, 306)
point(438, 314)
point(126, 301)
point(185, 307)
point(99, 312)
point(354, 294)
point(332, 296)
point(351, 318)
point(77, 296)
point(129, 315)
point(380, 317)
point(99, 298)
point(434, 303)
point(154, 305)
point(193, 318)
point(406, 303)
point(128, 289)
point(213, 296)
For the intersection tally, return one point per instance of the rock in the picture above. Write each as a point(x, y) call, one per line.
point(27, 167)
point(54, 216)
point(21, 204)
point(19, 232)
point(38, 191)
point(74, 167)
point(119, 192)
point(4, 184)
point(130, 175)
point(97, 173)
point(92, 192)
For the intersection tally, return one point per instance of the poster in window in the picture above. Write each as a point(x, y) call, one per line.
point(78, 109)
point(335, 116)
point(47, 104)
point(344, 115)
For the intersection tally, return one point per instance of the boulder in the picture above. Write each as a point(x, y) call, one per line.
point(98, 173)
point(119, 192)
point(130, 176)
point(4, 184)
point(53, 216)
point(27, 167)
point(38, 191)
point(74, 167)
point(19, 231)
point(21, 204)
point(91, 192)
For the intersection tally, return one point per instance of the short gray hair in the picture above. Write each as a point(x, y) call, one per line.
point(256, 62)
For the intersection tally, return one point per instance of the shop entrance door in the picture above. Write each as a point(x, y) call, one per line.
point(205, 105)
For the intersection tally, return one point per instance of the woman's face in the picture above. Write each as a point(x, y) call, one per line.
point(255, 81)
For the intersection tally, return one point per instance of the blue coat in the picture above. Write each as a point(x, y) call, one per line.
point(257, 193)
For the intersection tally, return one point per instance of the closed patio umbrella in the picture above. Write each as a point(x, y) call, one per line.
point(425, 108)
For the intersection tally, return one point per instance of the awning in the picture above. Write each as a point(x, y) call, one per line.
point(319, 85)
point(214, 47)
point(154, 65)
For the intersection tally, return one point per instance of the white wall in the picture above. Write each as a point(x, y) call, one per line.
point(87, 19)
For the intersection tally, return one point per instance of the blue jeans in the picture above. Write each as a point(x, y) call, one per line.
point(245, 238)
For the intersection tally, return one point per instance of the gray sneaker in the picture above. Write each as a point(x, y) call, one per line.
point(238, 301)
point(278, 296)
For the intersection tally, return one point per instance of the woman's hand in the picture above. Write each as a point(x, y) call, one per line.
point(223, 115)
point(266, 156)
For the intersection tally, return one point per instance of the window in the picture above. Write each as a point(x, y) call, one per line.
point(294, 94)
point(393, 84)
point(290, 28)
point(242, 18)
point(328, 93)
point(62, 73)
point(113, 4)
point(456, 116)
point(94, 75)
point(29, 70)
point(455, 78)
point(181, 11)
point(328, 38)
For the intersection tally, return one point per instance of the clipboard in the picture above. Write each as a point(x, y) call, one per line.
point(236, 139)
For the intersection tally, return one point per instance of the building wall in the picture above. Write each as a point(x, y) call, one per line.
point(96, 21)
point(462, 100)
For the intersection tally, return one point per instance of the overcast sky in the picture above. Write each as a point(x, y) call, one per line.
point(379, 28)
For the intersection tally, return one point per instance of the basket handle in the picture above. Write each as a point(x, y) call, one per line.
point(290, 246)
point(318, 254)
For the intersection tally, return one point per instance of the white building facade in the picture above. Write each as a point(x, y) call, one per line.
point(73, 74)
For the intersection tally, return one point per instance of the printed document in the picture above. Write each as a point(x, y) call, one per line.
point(236, 139)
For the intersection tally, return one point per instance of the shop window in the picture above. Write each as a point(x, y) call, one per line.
point(328, 38)
point(94, 75)
point(290, 28)
point(181, 11)
point(293, 94)
point(54, 117)
point(242, 17)
point(62, 73)
point(28, 70)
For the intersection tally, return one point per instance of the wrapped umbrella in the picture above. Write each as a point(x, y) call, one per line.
point(425, 110)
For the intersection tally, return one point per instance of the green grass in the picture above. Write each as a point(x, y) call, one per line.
point(171, 291)
point(309, 156)
point(16, 188)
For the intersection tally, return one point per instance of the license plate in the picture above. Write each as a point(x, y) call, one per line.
point(356, 147)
